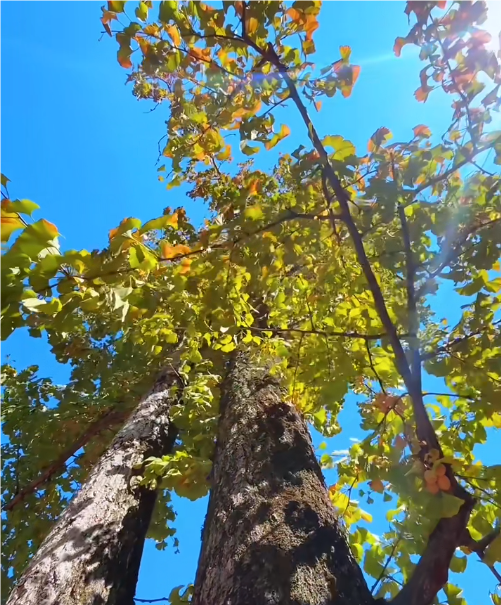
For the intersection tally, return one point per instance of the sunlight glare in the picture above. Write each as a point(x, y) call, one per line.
point(493, 24)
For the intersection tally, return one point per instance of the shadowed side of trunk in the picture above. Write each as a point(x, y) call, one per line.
point(271, 534)
point(93, 553)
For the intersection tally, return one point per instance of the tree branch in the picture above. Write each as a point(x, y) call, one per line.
point(432, 571)
point(479, 546)
point(411, 299)
point(457, 341)
point(104, 422)
point(318, 332)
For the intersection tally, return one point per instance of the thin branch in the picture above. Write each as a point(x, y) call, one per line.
point(387, 562)
point(151, 600)
point(373, 368)
point(318, 332)
point(445, 175)
point(453, 252)
point(411, 299)
point(479, 547)
point(111, 417)
point(458, 341)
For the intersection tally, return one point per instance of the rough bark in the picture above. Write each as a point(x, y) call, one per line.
point(93, 553)
point(271, 535)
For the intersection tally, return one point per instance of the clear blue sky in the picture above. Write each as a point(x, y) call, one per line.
point(75, 141)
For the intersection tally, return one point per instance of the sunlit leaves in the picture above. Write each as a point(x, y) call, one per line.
point(10, 221)
point(284, 132)
point(342, 148)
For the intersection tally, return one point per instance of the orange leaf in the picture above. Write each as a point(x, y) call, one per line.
point(397, 47)
point(442, 3)
point(318, 105)
point(144, 45)
point(346, 91)
point(254, 186)
point(345, 53)
point(284, 131)
point(421, 95)
point(294, 14)
point(355, 72)
point(173, 32)
point(378, 138)
point(422, 131)
point(376, 486)
point(225, 154)
point(152, 30)
point(173, 221)
point(169, 252)
point(125, 63)
point(239, 8)
point(185, 266)
point(106, 19)
point(310, 26)
point(197, 53)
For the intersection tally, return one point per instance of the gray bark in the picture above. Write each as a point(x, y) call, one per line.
point(271, 534)
point(93, 553)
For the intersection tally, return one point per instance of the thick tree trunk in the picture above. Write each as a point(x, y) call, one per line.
point(271, 535)
point(93, 553)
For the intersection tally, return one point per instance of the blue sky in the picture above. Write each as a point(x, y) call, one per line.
point(75, 141)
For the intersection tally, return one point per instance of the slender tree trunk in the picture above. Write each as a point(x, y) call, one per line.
point(271, 535)
point(93, 553)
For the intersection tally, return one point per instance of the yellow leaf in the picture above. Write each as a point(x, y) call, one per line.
point(173, 220)
point(252, 25)
point(345, 52)
point(254, 213)
point(10, 222)
point(225, 154)
point(185, 266)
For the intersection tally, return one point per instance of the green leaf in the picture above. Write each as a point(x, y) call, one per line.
point(36, 237)
point(247, 149)
point(493, 551)
point(450, 505)
point(458, 564)
point(22, 206)
point(142, 11)
point(168, 11)
point(5, 180)
point(116, 7)
point(254, 212)
point(342, 148)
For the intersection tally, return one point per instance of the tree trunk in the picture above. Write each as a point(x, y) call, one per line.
point(271, 534)
point(93, 553)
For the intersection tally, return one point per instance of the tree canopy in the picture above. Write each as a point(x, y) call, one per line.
point(327, 263)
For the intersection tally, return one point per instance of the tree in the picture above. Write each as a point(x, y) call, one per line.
point(93, 552)
point(327, 264)
point(271, 532)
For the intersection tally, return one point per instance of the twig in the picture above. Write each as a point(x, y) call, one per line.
point(319, 332)
point(373, 368)
point(411, 303)
point(387, 562)
point(102, 423)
